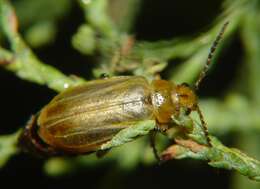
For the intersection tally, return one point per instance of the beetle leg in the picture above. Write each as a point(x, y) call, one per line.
point(162, 127)
point(152, 143)
point(102, 153)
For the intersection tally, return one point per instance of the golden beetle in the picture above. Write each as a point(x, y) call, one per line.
point(81, 119)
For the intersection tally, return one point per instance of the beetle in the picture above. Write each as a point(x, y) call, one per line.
point(82, 118)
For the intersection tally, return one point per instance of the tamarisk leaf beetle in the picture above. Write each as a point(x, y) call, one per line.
point(83, 118)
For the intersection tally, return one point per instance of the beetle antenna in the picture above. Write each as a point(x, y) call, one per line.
point(204, 125)
point(210, 55)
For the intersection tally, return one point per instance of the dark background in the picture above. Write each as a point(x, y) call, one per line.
point(19, 99)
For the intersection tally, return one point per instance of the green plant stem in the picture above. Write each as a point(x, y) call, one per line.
point(123, 13)
point(21, 60)
point(8, 147)
point(248, 142)
point(218, 156)
point(96, 14)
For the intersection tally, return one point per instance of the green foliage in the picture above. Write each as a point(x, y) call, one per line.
point(8, 147)
point(41, 34)
point(219, 156)
point(129, 134)
point(85, 34)
point(23, 62)
point(41, 25)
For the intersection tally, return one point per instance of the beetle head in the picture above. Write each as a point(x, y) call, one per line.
point(184, 97)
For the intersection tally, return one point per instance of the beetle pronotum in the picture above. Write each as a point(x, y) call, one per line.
point(81, 119)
